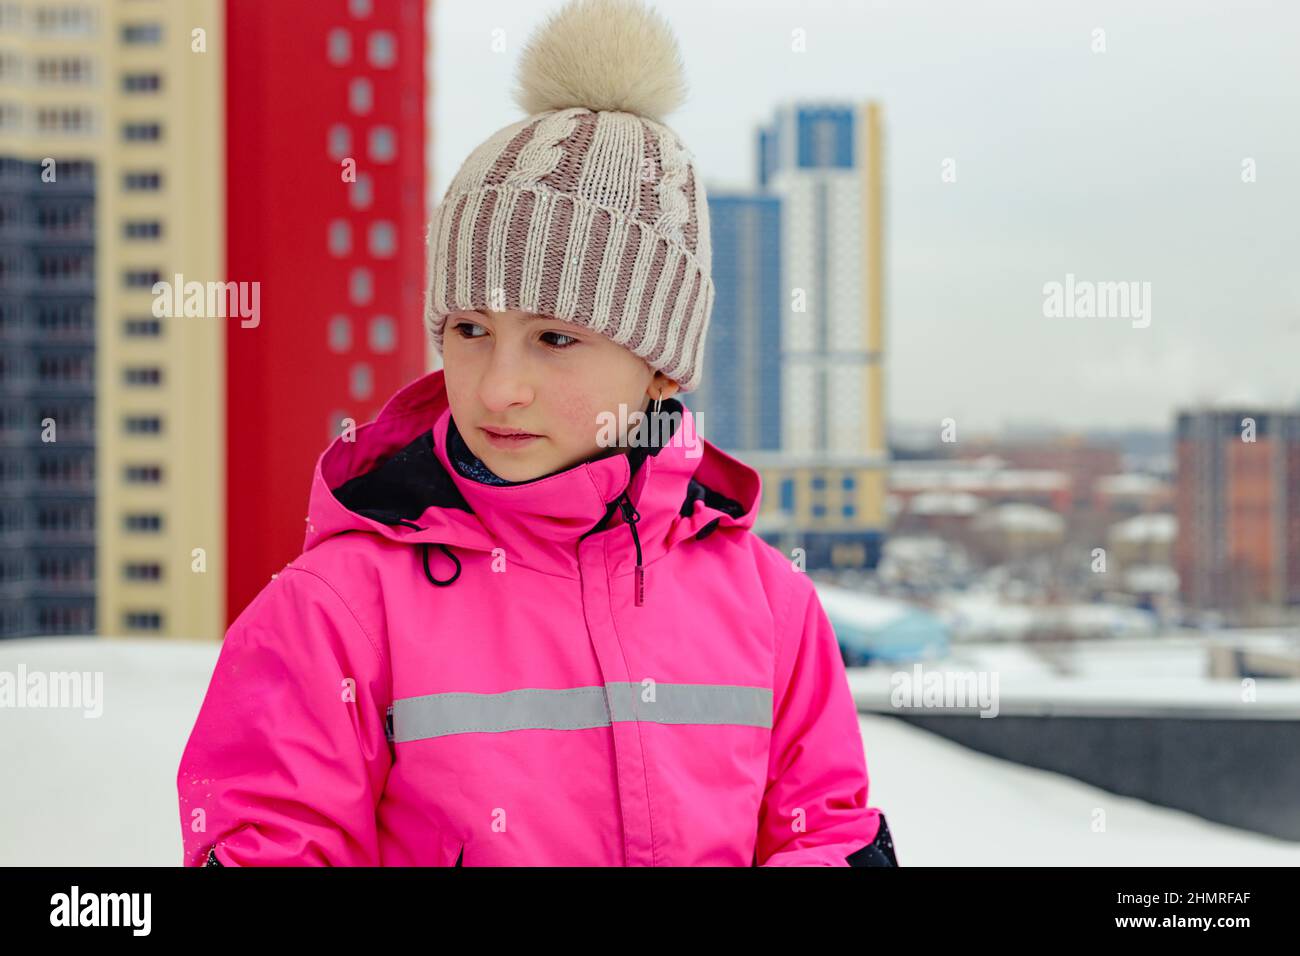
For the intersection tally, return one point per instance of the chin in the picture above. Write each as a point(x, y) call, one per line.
point(511, 467)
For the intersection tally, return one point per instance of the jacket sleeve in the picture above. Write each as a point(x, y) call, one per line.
point(289, 754)
point(814, 810)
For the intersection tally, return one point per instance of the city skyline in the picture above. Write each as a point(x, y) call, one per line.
point(1118, 157)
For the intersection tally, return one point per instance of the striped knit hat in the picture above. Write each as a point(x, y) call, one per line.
point(590, 209)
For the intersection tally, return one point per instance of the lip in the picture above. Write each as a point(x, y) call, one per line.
point(507, 439)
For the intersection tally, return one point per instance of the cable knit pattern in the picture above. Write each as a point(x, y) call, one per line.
point(672, 188)
point(541, 154)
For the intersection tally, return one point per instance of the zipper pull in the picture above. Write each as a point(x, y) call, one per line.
point(631, 516)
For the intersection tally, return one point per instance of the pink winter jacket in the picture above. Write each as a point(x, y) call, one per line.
point(549, 673)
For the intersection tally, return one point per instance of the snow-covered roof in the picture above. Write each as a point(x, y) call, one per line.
point(915, 547)
point(985, 614)
point(1018, 516)
point(1151, 578)
point(963, 476)
point(1131, 483)
point(1147, 527)
point(945, 503)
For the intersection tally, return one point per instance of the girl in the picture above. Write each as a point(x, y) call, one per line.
point(530, 625)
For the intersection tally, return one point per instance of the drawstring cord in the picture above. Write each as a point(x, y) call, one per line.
point(630, 515)
point(424, 552)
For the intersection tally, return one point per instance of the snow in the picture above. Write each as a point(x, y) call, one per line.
point(1129, 483)
point(1151, 578)
point(102, 791)
point(945, 503)
point(867, 610)
point(951, 806)
point(1275, 699)
point(984, 614)
point(1022, 517)
point(1148, 527)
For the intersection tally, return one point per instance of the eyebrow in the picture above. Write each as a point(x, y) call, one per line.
point(529, 318)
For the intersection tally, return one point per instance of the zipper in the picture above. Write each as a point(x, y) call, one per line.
point(631, 516)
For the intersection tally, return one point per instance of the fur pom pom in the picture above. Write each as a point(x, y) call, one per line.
point(604, 55)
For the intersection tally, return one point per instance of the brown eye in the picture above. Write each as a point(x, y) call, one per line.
point(559, 348)
point(466, 328)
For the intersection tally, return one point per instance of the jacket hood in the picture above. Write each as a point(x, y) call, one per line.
point(394, 477)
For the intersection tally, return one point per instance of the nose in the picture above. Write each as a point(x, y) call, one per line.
point(506, 379)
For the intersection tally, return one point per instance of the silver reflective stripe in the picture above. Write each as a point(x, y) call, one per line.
point(579, 708)
point(693, 704)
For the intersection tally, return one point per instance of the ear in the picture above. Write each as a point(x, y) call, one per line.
point(662, 384)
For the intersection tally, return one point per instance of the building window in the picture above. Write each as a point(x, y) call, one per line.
point(849, 511)
point(63, 369)
point(360, 96)
point(142, 328)
point(143, 571)
point(361, 287)
point(340, 333)
point(787, 495)
point(340, 238)
point(142, 278)
point(339, 48)
point(847, 483)
point(362, 192)
point(51, 70)
point(360, 381)
point(142, 621)
point(359, 8)
point(143, 522)
point(818, 510)
point(335, 427)
point(340, 141)
point(146, 375)
point(141, 33)
point(143, 425)
point(143, 474)
point(142, 182)
point(383, 144)
point(141, 83)
point(64, 120)
point(142, 229)
point(383, 334)
point(64, 20)
point(142, 132)
point(382, 49)
point(383, 239)
point(818, 482)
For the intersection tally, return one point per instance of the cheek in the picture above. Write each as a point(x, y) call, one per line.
point(576, 416)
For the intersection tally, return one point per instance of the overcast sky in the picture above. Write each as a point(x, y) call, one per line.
point(1122, 165)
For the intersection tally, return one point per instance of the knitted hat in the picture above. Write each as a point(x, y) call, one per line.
point(590, 209)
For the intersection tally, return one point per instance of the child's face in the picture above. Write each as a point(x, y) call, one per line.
point(517, 370)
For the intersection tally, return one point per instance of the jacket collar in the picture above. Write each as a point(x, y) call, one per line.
point(395, 478)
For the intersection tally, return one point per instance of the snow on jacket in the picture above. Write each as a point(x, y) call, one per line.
point(603, 666)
